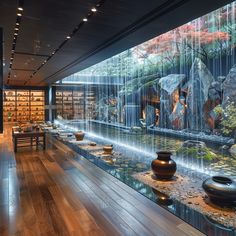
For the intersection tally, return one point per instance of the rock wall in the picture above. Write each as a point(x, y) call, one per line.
point(200, 82)
point(229, 87)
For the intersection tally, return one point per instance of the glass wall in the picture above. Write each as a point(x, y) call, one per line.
point(175, 92)
point(181, 83)
point(183, 79)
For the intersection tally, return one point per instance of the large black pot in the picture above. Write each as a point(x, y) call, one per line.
point(163, 167)
point(221, 190)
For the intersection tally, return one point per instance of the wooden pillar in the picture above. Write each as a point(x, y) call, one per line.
point(1, 80)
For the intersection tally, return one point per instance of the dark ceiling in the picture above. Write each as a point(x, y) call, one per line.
point(116, 26)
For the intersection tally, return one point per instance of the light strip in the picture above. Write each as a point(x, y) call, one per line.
point(85, 19)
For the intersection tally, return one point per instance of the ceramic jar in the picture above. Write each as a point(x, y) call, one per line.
point(164, 167)
point(220, 189)
point(79, 136)
point(108, 149)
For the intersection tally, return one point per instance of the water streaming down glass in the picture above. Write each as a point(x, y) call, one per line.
point(169, 90)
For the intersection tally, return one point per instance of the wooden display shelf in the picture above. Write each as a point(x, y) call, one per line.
point(23, 102)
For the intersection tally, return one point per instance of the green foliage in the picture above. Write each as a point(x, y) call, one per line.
point(218, 110)
point(229, 119)
point(204, 153)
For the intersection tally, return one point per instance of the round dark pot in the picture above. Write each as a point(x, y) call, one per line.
point(221, 190)
point(163, 167)
point(108, 149)
point(79, 136)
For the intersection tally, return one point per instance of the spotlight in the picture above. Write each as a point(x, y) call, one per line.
point(20, 8)
point(85, 19)
point(15, 33)
point(16, 28)
point(68, 37)
point(93, 9)
point(19, 14)
point(17, 23)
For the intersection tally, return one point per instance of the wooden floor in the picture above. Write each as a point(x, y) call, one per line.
point(57, 192)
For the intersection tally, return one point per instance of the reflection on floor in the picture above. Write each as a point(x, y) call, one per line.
point(56, 192)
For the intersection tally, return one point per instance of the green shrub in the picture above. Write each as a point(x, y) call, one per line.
point(229, 119)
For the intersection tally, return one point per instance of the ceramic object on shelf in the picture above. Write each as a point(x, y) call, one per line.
point(164, 167)
point(220, 189)
point(79, 136)
point(28, 129)
point(107, 149)
point(92, 144)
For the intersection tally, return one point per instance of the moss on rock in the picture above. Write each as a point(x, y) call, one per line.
point(195, 152)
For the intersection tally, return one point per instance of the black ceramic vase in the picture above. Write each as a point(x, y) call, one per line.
point(163, 167)
point(221, 190)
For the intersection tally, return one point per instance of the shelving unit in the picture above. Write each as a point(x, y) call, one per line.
point(90, 102)
point(24, 105)
point(37, 105)
point(74, 104)
point(9, 107)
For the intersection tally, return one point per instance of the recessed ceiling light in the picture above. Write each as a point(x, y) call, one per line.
point(85, 19)
point(15, 33)
point(16, 28)
point(93, 9)
point(19, 14)
point(17, 23)
point(20, 8)
point(68, 37)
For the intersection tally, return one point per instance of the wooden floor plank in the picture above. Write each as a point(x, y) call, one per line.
point(57, 192)
point(129, 201)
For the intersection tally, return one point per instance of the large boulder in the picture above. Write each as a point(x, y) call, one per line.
point(177, 116)
point(169, 87)
point(212, 118)
point(150, 115)
point(232, 150)
point(171, 82)
point(194, 144)
point(165, 110)
point(229, 87)
point(199, 84)
point(220, 79)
